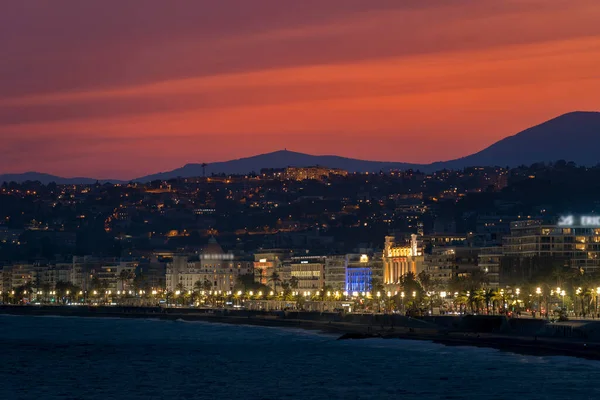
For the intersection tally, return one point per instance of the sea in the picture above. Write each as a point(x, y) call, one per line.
point(99, 358)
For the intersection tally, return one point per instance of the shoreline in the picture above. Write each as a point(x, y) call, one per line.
point(525, 345)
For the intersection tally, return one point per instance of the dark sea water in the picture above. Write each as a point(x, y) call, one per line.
point(87, 358)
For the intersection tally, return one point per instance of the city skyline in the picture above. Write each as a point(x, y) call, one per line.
point(116, 94)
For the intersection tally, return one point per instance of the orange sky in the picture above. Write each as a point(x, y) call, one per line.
point(111, 90)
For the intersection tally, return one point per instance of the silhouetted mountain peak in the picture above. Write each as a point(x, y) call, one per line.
point(573, 136)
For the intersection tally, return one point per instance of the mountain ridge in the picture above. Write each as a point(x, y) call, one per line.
point(572, 136)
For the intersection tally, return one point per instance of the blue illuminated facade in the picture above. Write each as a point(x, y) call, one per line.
point(358, 279)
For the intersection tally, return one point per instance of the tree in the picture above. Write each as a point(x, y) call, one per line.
point(65, 290)
point(46, 288)
point(425, 280)
point(198, 288)
point(275, 278)
point(294, 282)
point(125, 277)
point(376, 285)
point(140, 283)
point(180, 287)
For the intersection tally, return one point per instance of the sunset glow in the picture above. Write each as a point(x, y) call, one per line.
point(135, 90)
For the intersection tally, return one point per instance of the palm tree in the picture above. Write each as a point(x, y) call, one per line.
point(488, 297)
point(460, 300)
point(124, 277)
point(168, 295)
point(198, 288)
point(376, 285)
point(180, 287)
point(294, 282)
point(275, 279)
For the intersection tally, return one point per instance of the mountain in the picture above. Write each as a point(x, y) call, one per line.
point(277, 159)
point(47, 178)
point(572, 137)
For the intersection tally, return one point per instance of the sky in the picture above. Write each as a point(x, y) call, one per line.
point(124, 88)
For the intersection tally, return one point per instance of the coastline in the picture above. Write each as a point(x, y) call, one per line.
point(526, 345)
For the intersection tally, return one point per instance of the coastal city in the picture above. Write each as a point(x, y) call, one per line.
point(472, 241)
point(317, 199)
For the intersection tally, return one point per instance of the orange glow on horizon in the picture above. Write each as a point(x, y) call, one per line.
point(359, 85)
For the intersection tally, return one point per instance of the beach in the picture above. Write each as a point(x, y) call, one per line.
point(449, 331)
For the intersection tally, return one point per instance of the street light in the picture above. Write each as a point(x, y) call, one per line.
point(597, 294)
point(538, 291)
point(402, 301)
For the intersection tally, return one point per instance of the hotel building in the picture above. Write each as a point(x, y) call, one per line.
point(401, 257)
point(309, 271)
point(446, 263)
point(214, 266)
point(268, 262)
point(578, 243)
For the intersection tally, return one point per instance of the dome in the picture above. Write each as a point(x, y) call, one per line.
point(212, 247)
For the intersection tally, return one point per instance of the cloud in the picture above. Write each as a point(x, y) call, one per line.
point(150, 83)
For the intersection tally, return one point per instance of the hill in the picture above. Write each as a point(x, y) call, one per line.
point(277, 159)
point(573, 137)
point(47, 178)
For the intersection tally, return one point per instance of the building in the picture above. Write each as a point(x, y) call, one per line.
point(15, 276)
point(117, 276)
point(575, 240)
point(335, 272)
point(489, 262)
point(83, 268)
point(401, 256)
point(444, 240)
point(49, 275)
point(266, 263)
point(213, 268)
point(535, 248)
point(446, 263)
point(309, 272)
point(363, 271)
point(317, 173)
point(358, 279)
point(153, 272)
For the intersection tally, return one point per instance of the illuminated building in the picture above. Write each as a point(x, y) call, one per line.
point(535, 248)
point(110, 275)
point(576, 240)
point(447, 262)
point(351, 271)
point(14, 276)
point(444, 240)
point(268, 262)
point(400, 258)
point(309, 271)
point(213, 267)
point(358, 279)
point(317, 173)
